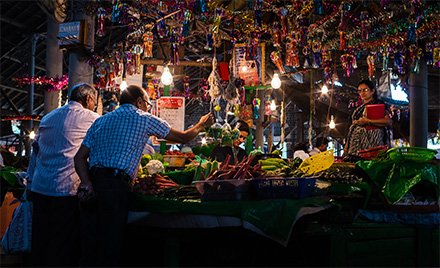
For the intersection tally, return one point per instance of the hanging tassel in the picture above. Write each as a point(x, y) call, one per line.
point(370, 61)
point(101, 22)
point(156, 82)
point(307, 61)
point(256, 107)
point(186, 86)
point(365, 26)
point(148, 44)
point(316, 54)
point(275, 56)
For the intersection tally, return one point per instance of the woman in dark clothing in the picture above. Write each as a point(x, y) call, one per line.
point(359, 138)
point(220, 152)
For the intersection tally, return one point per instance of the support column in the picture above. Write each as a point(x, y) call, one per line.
point(259, 129)
point(29, 125)
point(418, 105)
point(54, 65)
point(79, 70)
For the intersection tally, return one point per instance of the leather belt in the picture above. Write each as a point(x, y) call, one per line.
point(111, 172)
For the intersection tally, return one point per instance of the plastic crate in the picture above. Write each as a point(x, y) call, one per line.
point(289, 188)
point(225, 190)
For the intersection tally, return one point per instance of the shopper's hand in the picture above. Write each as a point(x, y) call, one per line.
point(362, 121)
point(84, 191)
point(207, 120)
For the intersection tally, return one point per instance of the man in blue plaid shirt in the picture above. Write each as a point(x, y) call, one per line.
point(107, 161)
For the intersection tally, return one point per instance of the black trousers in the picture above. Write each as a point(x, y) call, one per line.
point(55, 231)
point(103, 221)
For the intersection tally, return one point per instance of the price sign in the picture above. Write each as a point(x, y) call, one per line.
point(172, 110)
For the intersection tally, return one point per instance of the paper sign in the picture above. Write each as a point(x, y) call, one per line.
point(172, 110)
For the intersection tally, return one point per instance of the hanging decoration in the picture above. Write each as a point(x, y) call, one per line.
point(267, 110)
point(342, 28)
point(136, 53)
point(429, 53)
point(156, 82)
point(256, 108)
point(148, 44)
point(257, 15)
point(415, 53)
point(276, 34)
point(116, 11)
point(235, 35)
point(307, 61)
point(318, 7)
point(316, 54)
point(239, 83)
point(236, 110)
point(304, 29)
point(101, 74)
point(255, 38)
point(370, 61)
point(436, 57)
point(385, 50)
point(327, 64)
point(231, 94)
point(365, 26)
point(19, 117)
point(209, 40)
point(399, 58)
point(101, 22)
point(186, 86)
point(204, 85)
point(54, 84)
point(175, 38)
point(129, 66)
point(219, 12)
point(347, 64)
point(186, 23)
point(282, 12)
point(292, 54)
point(214, 80)
point(162, 10)
point(275, 56)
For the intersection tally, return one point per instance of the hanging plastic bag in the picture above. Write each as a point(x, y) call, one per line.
point(18, 236)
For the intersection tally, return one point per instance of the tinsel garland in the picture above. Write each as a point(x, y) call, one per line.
point(54, 83)
point(19, 117)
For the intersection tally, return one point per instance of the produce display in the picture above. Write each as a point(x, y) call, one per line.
point(179, 153)
point(241, 171)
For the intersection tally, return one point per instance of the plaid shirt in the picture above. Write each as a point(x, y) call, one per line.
point(117, 139)
point(59, 136)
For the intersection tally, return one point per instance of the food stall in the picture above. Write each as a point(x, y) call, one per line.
point(352, 215)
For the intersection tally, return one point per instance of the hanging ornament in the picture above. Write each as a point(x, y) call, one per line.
point(256, 107)
point(110, 75)
point(186, 23)
point(239, 83)
point(201, 6)
point(342, 28)
point(352, 50)
point(370, 61)
point(385, 50)
point(101, 22)
point(318, 7)
point(236, 110)
point(255, 38)
point(209, 40)
point(186, 86)
point(116, 11)
point(275, 56)
point(316, 47)
point(365, 26)
point(137, 52)
point(235, 35)
point(148, 44)
point(129, 66)
point(307, 61)
point(292, 54)
point(399, 58)
point(276, 34)
point(412, 27)
point(161, 27)
point(436, 57)
point(156, 82)
point(282, 12)
point(267, 100)
point(327, 64)
point(175, 38)
point(219, 12)
point(304, 24)
point(204, 85)
point(214, 80)
point(429, 53)
point(347, 64)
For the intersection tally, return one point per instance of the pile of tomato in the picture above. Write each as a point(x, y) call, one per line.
point(177, 152)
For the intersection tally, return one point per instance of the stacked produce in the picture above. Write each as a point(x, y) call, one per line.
point(149, 179)
point(242, 171)
point(179, 153)
point(279, 167)
point(338, 176)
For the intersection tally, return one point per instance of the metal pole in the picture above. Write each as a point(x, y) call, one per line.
point(418, 105)
point(259, 129)
point(30, 107)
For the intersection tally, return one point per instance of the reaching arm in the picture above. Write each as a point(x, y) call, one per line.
point(188, 135)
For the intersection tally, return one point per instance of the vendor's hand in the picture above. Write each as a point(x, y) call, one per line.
point(207, 120)
point(362, 121)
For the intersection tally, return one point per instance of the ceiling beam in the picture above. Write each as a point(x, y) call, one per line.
point(19, 90)
point(14, 23)
point(18, 61)
point(182, 63)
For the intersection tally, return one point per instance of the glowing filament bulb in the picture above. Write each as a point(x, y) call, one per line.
point(332, 124)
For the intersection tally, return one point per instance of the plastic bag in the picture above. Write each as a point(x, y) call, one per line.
point(18, 236)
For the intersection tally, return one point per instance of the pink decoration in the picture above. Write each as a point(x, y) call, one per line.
point(56, 83)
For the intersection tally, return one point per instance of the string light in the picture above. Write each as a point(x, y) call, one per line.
point(273, 106)
point(332, 124)
point(276, 82)
point(166, 78)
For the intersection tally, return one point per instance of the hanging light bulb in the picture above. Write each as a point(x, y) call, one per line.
point(324, 89)
point(123, 86)
point(273, 105)
point(332, 124)
point(244, 68)
point(32, 135)
point(203, 141)
point(276, 82)
point(166, 78)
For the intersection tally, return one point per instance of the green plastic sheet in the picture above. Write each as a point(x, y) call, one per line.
point(272, 216)
point(396, 179)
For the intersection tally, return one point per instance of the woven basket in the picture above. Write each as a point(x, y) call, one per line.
point(411, 154)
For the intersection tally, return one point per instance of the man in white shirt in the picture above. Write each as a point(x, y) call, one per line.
point(321, 146)
point(56, 220)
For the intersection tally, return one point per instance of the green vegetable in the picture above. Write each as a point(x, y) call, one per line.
point(157, 156)
point(272, 167)
point(207, 169)
point(145, 159)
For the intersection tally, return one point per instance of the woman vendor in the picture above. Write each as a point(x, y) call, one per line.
point(220, 152)
point(359, 137)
